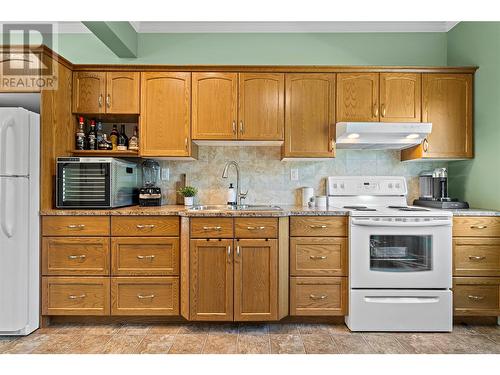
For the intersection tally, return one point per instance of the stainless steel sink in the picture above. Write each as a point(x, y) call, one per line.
point(243, 207)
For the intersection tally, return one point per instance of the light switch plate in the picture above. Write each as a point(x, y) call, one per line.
point(165, 174)
point(294, 174)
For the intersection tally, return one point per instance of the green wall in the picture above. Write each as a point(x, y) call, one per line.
point(260, 48)
point(478, 180)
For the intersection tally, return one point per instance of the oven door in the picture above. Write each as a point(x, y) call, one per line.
point(400, 253)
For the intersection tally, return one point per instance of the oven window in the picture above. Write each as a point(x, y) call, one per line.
point(400, 253)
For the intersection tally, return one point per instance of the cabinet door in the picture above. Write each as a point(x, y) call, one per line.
point(447, 104)
point(400, 97)
point(261, 106)
point(309, 115)
point(211, 280)
point(357, 97)
point(88, 92)
point(122, 92)
point(215, 105)
point(256, 280)
point(165, 114)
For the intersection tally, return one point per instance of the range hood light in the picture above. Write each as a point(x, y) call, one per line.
point(353, 136)
point(412, 136)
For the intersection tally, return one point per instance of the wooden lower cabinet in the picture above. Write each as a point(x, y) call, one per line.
point(145, 296)
point(476, 296)
point(476, 256)
point(211, 279)
point(255, 280)
point(320, 256)
point(318, 226)
point(75, 296)
point(318, 296)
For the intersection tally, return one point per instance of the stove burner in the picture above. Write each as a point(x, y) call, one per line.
point(406, 208)
point(360, 208)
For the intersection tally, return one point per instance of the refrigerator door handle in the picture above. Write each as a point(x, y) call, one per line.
point(7, 230)
point(9, 122)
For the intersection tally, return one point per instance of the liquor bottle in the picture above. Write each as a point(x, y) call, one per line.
point(80, 135)
point(122, 140)
point(92, 136)
point(133, 143)
point(113, 137)
point(99, 133)
point(104, 144)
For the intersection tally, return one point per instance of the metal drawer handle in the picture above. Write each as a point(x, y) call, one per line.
point(318, 256)
point(212, 228)
point(318, 226)
point(478, 226)
point(472, 257)
point(77, 297)
point(79, 257)
point(145, 226)
point(76, 226)
point(314, 296)
point(475, 298)
point(149, 257)
point(256, 228)
point(142, 296)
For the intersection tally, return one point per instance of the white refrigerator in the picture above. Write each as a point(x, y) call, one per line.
point(19, 221)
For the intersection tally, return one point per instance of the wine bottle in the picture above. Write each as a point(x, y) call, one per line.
point(133, 143)
point(122, 140)
point(113, 137)
point(80, 135)
point(92, 136)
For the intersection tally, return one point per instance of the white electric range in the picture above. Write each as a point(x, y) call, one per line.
point(400, 268)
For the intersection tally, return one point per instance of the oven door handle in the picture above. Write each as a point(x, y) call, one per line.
point(402, 299)
point(369, 223)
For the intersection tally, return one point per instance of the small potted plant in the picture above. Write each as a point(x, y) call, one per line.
point(188, 192)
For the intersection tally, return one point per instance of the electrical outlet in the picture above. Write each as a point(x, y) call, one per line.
point(294, 174)
point(165, 174)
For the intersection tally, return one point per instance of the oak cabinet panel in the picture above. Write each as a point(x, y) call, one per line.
point(211, 280)
point(89, 90)
point(215, 105)
point(145, 226)
point(318, 256)
point(357, 97)
point(75, 226)
point(206, 227)
point(318, 226)
point(400, 97)
point(311, 296)
point(255, 280)
point(476, 256)
point(165, 114)
point(122, 92)
point(476, 226)
point(309, 115)
point(261, 106)
point(256, 227)
point(476, 296)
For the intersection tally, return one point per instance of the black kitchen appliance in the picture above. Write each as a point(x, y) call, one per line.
point(150, 194)
point(434, 191)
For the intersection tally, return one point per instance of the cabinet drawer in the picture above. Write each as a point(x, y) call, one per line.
point(318, 296)
point(145, 226)
point(318, 256)
point(476, 226)
point(476, 296)
point(256, 227)
point(75, 296)
point(75, 225)
point(75, 256)
point(145, 256)
point(145, 296)
point(211, 227)
point(476, 256)
point(316, 226)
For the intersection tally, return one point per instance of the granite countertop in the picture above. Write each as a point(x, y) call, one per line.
point(176, 210)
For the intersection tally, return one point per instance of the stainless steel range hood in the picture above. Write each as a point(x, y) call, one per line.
point(381, 135)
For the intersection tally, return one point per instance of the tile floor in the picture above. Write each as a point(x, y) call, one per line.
point(248, 339)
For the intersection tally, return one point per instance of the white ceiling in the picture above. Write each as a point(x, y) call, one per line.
point(273, 27)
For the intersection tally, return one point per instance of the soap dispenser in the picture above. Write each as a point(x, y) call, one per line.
point(231, 195)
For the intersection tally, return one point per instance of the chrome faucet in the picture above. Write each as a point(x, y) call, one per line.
point(239, 194)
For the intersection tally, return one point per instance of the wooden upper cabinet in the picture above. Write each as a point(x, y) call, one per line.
point(215, 105)
point(255, 280)
point(357, 97)
point(165, 114)
point(122, 92)
point(447, 104)
point(261, 106)
point(400, 97)
point(309, 115)
point(89, 90)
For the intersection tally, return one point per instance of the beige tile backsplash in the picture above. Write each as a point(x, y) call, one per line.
point(268, 179)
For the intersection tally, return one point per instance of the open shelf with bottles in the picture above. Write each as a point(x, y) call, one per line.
point(110, 153)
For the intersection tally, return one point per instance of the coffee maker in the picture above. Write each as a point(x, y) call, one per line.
point(434, 191)
point(150, 194)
